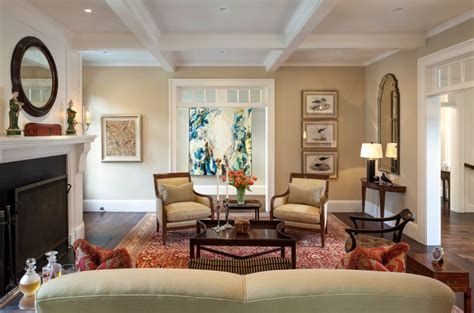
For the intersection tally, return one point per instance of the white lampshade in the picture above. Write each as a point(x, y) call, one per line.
point(391, 150)
point(371, 151)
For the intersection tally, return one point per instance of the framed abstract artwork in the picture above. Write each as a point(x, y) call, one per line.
point(319, 104)
point(121, 138)
point(220, 134)
point(319, 134)
point(318, 162)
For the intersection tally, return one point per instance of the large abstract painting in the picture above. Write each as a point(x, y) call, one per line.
point(218, 133)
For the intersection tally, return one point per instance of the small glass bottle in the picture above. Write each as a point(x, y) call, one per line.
point(52, 269)
point(31, 281)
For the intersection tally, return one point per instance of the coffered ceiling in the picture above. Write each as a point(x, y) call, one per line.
point(269, 33)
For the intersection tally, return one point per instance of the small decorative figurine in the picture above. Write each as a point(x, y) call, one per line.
point(15, 108)
point(71, 119)
point(437, 254)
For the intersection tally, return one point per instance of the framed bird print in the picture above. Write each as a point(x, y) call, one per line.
point(319, 104)
point(318, 162)
point(319, 134)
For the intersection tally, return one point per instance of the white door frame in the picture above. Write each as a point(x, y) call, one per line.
point(268, 86)
point(429, 145)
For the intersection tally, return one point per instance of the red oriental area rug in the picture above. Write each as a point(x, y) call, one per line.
point(147, 251)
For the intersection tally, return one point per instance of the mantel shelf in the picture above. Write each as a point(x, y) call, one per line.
point(20, 142)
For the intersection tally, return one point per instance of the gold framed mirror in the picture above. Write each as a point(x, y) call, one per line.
point(389, 124)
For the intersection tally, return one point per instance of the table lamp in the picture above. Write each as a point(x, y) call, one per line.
point(371, 152)
point(391, 151)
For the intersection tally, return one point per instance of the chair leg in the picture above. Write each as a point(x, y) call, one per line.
point(163, 233)
point(326, 228)
point(157, 226)
point(323, 239)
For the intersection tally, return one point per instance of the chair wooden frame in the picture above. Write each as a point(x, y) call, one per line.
point(166, 226)
point(324, 199)
point(401, 220)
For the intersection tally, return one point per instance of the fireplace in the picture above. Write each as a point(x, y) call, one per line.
point(34, 203)
point(29, 163)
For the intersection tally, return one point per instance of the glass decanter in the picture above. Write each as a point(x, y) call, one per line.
point(31, 281)
point(52, 269)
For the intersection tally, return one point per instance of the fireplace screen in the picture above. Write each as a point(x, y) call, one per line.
point(40, 220)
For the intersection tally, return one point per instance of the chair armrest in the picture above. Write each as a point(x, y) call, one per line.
point(279, 200)
point(160, 210)
point(205, 200)
point(323, 209)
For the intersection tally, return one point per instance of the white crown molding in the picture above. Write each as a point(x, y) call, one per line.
point(308, 15)
point(380, 56)
point(399, 41)
point(450, 24)
point(324, 64)
point(139, 20)
point(120, 64)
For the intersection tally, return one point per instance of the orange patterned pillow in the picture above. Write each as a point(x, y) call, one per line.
point(90, 257)
point(389, 258)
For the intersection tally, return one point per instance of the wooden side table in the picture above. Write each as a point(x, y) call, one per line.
point(446, 181)
point(456, 278)
point(253, 205)
point(381, 189)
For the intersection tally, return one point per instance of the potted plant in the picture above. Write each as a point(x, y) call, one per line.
point(242, 183)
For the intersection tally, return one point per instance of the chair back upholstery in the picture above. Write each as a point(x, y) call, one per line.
point(311, 181)
point(173, 179)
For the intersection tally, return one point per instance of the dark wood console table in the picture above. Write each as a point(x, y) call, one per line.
point(382, 189)
point(456, 278)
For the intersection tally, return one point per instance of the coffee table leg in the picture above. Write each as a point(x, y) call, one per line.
point(257, 213)
point(293, 256)
point(198, 254)
point(282, 252)
point(467, 301)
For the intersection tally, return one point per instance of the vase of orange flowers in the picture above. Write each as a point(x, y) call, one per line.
point(242, 183)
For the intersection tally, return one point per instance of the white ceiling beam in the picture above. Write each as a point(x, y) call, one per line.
point(138, 19)
point(380, 56)
point(399, 41)
point(186, 42)
point(105, 41)
point(308, 15)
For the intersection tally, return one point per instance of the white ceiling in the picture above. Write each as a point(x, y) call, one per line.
point(270, 33)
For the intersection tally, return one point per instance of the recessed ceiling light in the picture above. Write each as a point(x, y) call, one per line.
point(105, 52)
point(224, 9)
point(221, 51)
point(336, 51)
point(397, 9)
point(88, 10)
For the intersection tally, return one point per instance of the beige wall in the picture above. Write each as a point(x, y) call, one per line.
point(404, 66)
point(145, 91)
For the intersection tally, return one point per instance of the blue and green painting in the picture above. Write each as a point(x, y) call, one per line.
point(218, 132)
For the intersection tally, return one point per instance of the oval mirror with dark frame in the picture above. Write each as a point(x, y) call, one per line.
point(34, 76)
point(389, 124)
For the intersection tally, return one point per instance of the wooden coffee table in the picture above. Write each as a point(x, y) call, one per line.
point(446, 272)
point(262, 234)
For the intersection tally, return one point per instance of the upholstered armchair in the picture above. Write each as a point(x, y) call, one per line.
point(366, 238)
point(178, 206)
point(304, 204)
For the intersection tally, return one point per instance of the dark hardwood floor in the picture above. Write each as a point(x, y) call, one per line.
point(108, 229)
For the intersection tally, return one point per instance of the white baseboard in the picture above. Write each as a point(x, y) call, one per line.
point(149, 205)
point(411, 229)
point(145, 205)
point(335, 206)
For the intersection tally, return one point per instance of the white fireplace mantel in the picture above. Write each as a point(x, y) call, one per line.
point(20, 148)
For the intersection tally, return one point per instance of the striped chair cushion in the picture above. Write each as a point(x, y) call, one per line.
point(242, 267)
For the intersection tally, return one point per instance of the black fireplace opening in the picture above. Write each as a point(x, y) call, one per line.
point(33, 215)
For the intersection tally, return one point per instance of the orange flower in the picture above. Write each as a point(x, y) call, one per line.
point(254, 178)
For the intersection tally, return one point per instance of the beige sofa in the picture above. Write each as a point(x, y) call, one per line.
point(295, 291)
